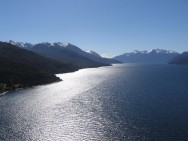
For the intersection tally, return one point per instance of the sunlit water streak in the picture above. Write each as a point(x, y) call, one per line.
point(122, 102)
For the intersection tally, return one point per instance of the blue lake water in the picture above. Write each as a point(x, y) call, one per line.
point(129, 102)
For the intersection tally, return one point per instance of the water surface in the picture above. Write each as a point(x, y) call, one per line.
point(129, 102)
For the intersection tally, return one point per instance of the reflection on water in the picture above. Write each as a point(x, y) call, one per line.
point(122, 102)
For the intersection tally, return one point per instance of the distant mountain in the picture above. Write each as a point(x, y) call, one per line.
point(20, 67)
point(93, 53)
point(21, 44)
point(65, 54)
point(152, 56)
point(96, 57)
point(68, 53)
point(180, 59)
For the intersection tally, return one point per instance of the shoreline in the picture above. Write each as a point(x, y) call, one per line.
point(58, 80)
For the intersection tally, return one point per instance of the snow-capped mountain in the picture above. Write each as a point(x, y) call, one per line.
point(29, 45)
point(66, 53)
point(21, 44)
point(61, 44)
point(162, 51)
point(151, 56)
point(93, 53)
point(180, 59)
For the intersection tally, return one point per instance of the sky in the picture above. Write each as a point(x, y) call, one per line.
point(109, 27)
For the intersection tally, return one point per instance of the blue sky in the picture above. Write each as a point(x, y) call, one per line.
point(109, 27)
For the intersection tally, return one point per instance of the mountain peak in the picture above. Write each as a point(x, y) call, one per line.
point(29, 45)
point(180, 59)
point(47, 43)
point(21, 44)
point(61, 44)
point(151, 56)
point(150, 51)
point(93, 53)
point(161, 51)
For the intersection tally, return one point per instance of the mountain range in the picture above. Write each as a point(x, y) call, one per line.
point(26, 64)
point(152, 56)
point(180, 59)
point(21, 67)
point(67, 53)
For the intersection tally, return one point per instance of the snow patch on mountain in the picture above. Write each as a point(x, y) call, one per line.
point(157, 51)
point(21, 44)
point(151, 56)
point(61, 44)
point(93, 53)
point(161, 51)
point(29, 45)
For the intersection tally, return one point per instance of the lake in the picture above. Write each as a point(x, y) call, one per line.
point(127, 102)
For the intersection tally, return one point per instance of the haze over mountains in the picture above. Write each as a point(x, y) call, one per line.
point(152, 56)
